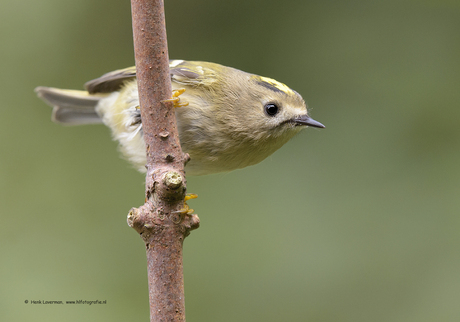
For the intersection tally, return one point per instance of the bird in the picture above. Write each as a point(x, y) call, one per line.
point(227, 119)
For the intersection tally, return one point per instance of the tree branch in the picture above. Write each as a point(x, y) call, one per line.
point(159, 221)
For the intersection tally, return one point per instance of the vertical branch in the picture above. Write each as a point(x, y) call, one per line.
point(159, 221)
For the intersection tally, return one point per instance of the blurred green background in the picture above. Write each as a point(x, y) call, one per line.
point(357, 222)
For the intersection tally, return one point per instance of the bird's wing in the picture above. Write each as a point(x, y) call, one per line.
point(111, 82)
point(182, 72)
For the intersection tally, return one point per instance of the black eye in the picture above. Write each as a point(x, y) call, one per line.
point(271, 109)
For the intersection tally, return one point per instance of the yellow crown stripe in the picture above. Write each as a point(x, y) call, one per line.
point(275, 85)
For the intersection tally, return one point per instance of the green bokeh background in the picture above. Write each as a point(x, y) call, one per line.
point(357, 222)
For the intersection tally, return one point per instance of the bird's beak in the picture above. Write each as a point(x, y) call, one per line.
point(306, 120)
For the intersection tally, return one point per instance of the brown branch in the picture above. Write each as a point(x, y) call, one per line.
point(159, 221)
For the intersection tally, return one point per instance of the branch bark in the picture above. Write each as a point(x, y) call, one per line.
point(160, 221)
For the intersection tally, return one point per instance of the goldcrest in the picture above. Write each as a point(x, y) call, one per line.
point(233, 119)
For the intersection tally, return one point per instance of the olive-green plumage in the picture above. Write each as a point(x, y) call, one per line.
point(233, 119)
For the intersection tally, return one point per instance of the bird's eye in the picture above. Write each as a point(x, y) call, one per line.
point(271, 109)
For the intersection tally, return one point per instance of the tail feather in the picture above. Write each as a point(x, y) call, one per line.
point(71, 107)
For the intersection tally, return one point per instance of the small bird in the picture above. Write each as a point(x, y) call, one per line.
point(228, 119)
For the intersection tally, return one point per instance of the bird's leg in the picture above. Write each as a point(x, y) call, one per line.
point(175, 98)
point(186, 210)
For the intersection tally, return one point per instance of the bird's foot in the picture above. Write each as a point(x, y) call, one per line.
point(186, 210)
point(176, 99)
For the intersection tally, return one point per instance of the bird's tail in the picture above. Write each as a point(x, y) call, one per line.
point(71, 107)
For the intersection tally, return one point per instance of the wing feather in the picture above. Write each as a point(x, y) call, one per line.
point(111, 82)
point(182, 72)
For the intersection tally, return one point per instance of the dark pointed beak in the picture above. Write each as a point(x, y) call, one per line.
point(306, 120)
